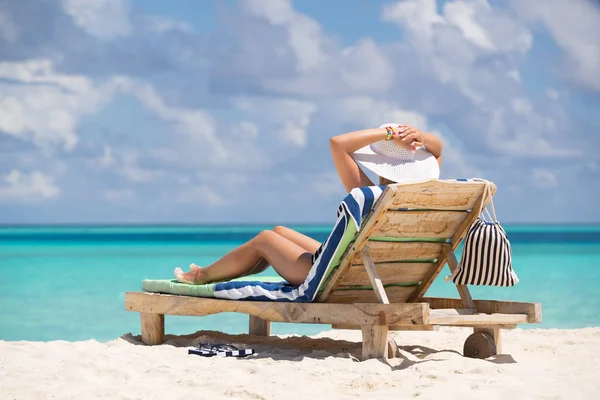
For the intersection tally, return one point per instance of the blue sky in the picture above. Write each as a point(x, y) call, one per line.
point(147, 111)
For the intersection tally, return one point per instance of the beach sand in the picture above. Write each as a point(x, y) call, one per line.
point(537, 364)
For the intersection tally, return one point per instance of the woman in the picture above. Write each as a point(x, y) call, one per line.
point(396, 153)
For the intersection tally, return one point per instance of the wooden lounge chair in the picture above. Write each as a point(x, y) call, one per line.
point(411, 232)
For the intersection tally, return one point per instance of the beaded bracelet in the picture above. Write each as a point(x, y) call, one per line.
point(390, 133)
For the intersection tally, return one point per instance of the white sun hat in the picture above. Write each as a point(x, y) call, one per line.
point(396, 163)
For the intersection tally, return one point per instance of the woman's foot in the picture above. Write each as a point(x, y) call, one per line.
point(194, 277)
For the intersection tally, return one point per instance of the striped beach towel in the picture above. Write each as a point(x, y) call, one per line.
point(351, 211)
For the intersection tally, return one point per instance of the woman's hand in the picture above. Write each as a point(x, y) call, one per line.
point(409, 137)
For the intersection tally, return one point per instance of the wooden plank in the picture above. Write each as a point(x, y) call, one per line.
point(484, 325)
point(374, 338)
point(532, 310)
point(259, 327)
point(312, 313)
point(419, 224)
point(462, 317)
point(153, 328)
point(463, 291)
point(374, 277)
point(439, 195)
point(391, 327)
point(398, 272)
point(395, 294)
point(400, 251)
point(495, 334)
point(379, 209)
point(456, 239)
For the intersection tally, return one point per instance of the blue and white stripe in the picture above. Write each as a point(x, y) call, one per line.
point(355, 206)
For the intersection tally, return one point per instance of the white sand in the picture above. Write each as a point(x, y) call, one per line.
point(540, 364)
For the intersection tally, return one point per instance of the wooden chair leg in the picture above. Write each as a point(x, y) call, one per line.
point(374, 341)
point(495, 334)
point(153, 328)
point(259, 326)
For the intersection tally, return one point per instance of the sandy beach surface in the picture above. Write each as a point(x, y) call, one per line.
point(537, 364)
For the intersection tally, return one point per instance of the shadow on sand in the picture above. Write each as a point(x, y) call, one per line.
point(296, 348)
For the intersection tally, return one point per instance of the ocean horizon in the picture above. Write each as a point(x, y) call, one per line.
point(67, 282)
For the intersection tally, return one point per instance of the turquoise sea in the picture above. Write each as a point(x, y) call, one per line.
point(68, 283)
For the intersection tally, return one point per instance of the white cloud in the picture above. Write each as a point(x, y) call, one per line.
point(245, 129)
point(476, 48)
point(119, 195)
point(162, 24)
point(553, 94)
point(22, 186)
point(320, 65)
point(543, 178)
point(194, 123)
point(462, 15)
point(202, 196)
point(107, 158)
point(521, 106)
point(514, 75)
point(289, 119)
point(417, 16)
point(575, 26)
point(451, 43)
point(535, 137)
point(365, 68)
point(130, 169)
point(41, 71)
point(327, 184)
point(44, 107)
point(200, 130)
point(296, 118)
point(304, 33)
point(103, 19)
point(368, 112)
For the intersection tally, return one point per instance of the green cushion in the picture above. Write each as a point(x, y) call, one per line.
point(171, 286)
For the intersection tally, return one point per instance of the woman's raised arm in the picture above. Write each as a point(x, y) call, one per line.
point(342, 146)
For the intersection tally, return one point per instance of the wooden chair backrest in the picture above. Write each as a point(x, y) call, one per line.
point(409, 233)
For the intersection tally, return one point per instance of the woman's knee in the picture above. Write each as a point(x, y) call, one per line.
point(279, 229)
point(266, 236)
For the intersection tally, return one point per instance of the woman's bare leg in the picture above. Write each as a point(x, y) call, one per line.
point(290, 261)
point(306, 242)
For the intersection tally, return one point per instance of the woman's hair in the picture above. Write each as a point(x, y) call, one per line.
point(385, 181)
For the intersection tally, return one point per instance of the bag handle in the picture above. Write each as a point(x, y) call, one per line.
point(487, 191)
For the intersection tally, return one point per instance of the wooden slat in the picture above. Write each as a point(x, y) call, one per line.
point(532, 310)
point(419, 224)
point(399, 251)
point(312, 313)
point(463, 290)
point(462, 318)
point(483, 325)
point(395, 294)
point(389, 273)
point(374, 277)
point(439, 195)
point(379, 208)
point(456, 239)
point(392, 327)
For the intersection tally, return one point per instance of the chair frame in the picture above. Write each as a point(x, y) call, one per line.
point(372, 311)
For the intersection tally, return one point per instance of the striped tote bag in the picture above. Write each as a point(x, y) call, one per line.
point(486, 258)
